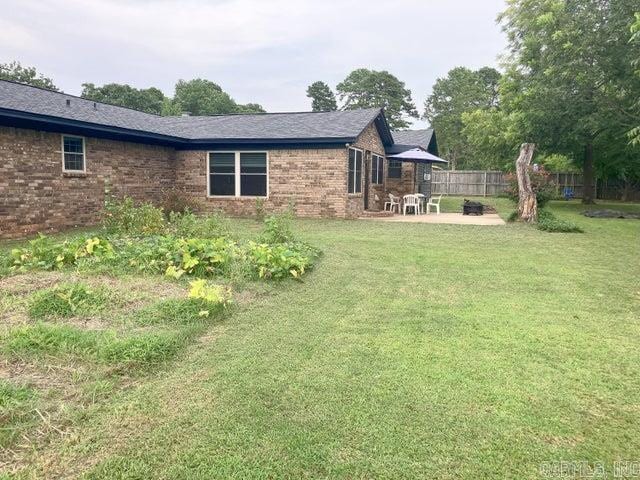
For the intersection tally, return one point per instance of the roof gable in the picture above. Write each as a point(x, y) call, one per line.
point(408, 139)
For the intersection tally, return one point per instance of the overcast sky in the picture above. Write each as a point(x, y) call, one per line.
point(264, 51)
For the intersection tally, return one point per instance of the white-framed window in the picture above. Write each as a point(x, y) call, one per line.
point(237, 174)
point(73, 154)
point(354, 179)
point(377, 169)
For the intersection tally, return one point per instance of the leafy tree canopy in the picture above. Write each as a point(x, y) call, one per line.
point(17, 73)
point(251, 108)
point(461, 91)
point(150, 100)
point(570, 73)
point(369, 88)
point(322, 97)
point(634, 134)
point(204, 97)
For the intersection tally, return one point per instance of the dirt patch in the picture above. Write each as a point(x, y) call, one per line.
point(26, 283)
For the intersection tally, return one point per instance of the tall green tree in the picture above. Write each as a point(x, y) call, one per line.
point(634, 133)
point(570, 72)
point(203, 97)
point(492, 137)
point(16, 72)
point(461, 91)
point(148, 100)
point(369, 88)
point(250, 108)
point(322, 97)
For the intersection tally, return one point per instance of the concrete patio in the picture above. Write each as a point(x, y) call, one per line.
point(446, 218)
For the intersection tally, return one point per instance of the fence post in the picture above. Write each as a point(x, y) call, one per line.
point(448, 173)
point(484, 194)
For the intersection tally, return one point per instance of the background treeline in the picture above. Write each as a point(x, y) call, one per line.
point(569, 82)
point(196, 97)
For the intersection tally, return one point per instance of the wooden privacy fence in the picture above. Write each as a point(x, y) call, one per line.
point(467, 182)
point(488, 182)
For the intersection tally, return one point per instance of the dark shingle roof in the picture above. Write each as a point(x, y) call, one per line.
point(25, 98)
point(279, 126)
point(343, 124)
point(407, 139)
point(418, 138)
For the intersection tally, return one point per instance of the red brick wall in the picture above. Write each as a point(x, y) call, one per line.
point(36, 196)
point(370, 140)
point(403, 185)
point(313, 181)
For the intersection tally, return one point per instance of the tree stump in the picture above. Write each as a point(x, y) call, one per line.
point(527, 203)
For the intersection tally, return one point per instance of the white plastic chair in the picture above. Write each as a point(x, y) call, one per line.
point(434, 203)
point(410, 201)
point(393, 203)
point(421, 201)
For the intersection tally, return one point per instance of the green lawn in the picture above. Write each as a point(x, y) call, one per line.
point(411, 351)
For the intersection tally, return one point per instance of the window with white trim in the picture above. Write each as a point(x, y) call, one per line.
point(73, 154)
point(377, 168)
point(354, 178)
point(238, 174)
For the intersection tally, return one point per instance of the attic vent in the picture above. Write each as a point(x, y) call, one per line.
point(68, 102)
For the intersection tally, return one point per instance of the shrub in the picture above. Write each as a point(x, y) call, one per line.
point(277, 229)
point(124, 217)
point(188, 225)
point(203, 257)
point(66, 300)
point(541, 182)
point(208, 293)
point(175, 201)
point(281, 260)
point(548, 222)
point(43, 253)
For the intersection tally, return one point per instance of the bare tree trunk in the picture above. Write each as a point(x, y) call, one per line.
point(527, 203)
point(587, 175)
point(626, 190)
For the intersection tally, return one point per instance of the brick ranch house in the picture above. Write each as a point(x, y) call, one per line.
point(59, 154)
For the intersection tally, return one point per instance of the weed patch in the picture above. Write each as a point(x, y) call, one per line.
point(108, 347)
point(12, 396)
point(67, 300)
point(50, 339)
point(15, 403)
point(143, 349)
point(548, 222)
point(188, 225)
point(178, 312)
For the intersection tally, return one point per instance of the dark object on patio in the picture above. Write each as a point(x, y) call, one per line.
point(472, 208)
point(606, 213)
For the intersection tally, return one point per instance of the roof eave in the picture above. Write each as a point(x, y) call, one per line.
point(21, 119)
point(18, 118)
